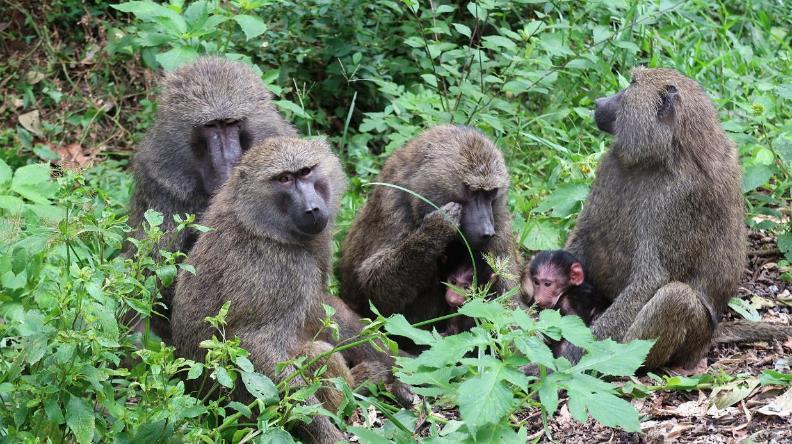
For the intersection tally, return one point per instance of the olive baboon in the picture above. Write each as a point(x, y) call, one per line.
point(400, 250)
point(209, 114)
point(661, 233)
point(269, 255)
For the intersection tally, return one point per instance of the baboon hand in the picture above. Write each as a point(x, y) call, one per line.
point(446, 219)
point(402, 393)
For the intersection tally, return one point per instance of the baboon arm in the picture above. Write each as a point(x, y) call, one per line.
point(394, 276)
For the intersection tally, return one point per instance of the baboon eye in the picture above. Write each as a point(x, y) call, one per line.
point(304, 172)
point(283, 178)
point(536, 281)
point(547, 284)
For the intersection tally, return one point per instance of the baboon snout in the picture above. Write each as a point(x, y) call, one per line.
point(605, 112)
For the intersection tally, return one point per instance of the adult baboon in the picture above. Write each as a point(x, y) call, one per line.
point(209, 114)
point(661, 233)
point(400, 250)
point(269, 255)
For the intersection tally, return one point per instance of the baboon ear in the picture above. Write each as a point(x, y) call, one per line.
point(670, 100)
point(576, 276)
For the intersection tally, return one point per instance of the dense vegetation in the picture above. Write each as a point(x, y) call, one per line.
point(78, 84)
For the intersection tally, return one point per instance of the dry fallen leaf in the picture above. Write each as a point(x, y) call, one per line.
point(72, 156)
point(781, 406)
point(32, 122)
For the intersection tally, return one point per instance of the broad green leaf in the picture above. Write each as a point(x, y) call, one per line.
point(496, 41)
point(195, 371)
point(462, 29)
point(450, 349)
point(5, 172)
point(176, 57)
point(542, 235)
point(277, 436)
point(575, 331)
point(47, 211)
point(260, 386)
point(153, 217)
point(243, 363)
point(430, 79)
point(223, 377)
point(612, 411)
point(12, 204)
point(80, 419)
point(784, 242)
point(166, 274)
point(292, 107)
point(548, 395)
point(478, 308)
point(563, 201)
point(251, 25)
point(536, 350)
point(732, 392)
point(612, 358)
point(485, 399)
point(241, 408)
point(398, 325)
point(369, 436)
point(35, 174)
point(756, 176)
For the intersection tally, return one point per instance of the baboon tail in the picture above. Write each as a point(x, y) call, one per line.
point(732, 332)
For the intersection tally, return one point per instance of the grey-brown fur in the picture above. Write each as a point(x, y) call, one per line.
point(661, 232)
point(166, 166)
point(392, 253)
point(274, 276)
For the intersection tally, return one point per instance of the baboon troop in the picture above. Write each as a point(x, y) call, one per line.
point(656, 252)
point(661, 233)
point(269, 255)
point(400, 249)
point(209, 114)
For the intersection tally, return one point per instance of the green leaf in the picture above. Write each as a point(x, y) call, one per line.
point(47, 211)
point(564, 200)
point(612, 411)
point(398, 325)
point(146, 11)
point(536, 351)
point(292, 107)
point(542, 235)
point(548, 395)
point(223, 377)
point(176, 57)
point(35, 174)
point(462, 29)
point(430, 79)
point(485, 399)
point(260, 386)
point(498, 41)
point(195, 371)
point(244, 363)
point(241, 408)
point(5, 172)
point(80, 419)
point(755, 176)
point(12, 204)
point(784, 242)
point(612, 358)
point(166, 274)
point(153, 217)
point(277, 436)
point(251, 25)
point(369, 436)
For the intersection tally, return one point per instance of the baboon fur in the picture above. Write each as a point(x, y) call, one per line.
point(391, 254)
point(166, 164)
point(662, 232)
point(274, 276)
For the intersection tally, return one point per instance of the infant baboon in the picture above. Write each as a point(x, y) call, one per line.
point(269, 255)
point(400, 250)
point(661, 233)
point(209, 114)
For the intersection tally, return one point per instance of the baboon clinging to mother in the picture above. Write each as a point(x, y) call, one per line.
point(400, 250)
point(209, 114)
point(661, 233)
point(269, 255)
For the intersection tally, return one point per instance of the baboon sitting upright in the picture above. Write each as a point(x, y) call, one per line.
point(661, 233)
point(269, 255)
point(209, 114)
point(400, 250)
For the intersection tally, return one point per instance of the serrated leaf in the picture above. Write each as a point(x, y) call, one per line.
point(536, 351)
point(548, 396)
point(612, 358)
point(575, 331)
point(398, 325)
point(251, 25)
point(176, 57)
point(80, 419)
point(260, 387)
point(485, 399)
point(612, 411)
point(542, 235)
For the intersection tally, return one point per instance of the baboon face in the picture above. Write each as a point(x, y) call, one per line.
point(644, 115)
point(305, 195)
point(218, 146)
point(552, 274)
point(477, 222)
point(293, 186)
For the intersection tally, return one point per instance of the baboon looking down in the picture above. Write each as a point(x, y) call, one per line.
point(209, 114)
point(400, 250)
point(269, 255)
point(661, 233)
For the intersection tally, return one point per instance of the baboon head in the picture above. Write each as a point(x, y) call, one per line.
point(461, 165)
point(660, 112)
point(211, 112)
point(291, 188)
